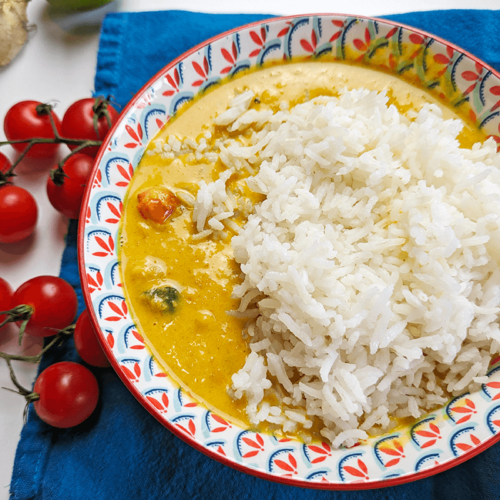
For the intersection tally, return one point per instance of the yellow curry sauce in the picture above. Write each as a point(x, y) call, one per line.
point(199, 344)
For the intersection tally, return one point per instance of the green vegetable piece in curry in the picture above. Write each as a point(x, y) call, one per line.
point(164, 298)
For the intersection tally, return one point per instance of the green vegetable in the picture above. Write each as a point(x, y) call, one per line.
point(68, 5)
point(164, 298)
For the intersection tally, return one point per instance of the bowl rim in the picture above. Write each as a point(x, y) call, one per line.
point(352, 486)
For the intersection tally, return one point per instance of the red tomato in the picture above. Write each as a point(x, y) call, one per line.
point(86, 342)
point(78, 122)
point(23, 121)
point(54, 304)
point(5, 164)
point(19, 213)
point(6, 294)
point(68, 394)
point(67, 198)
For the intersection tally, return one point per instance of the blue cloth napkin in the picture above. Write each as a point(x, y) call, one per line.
point(122, 452)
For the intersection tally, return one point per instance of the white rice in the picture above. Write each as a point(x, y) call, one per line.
point(371, 274)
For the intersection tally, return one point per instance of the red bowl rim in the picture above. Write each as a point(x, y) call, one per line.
point(407, 478)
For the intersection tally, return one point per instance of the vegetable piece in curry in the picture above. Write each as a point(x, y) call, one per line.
point(157, 204)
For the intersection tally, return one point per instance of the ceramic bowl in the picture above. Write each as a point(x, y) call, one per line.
point(442, 439)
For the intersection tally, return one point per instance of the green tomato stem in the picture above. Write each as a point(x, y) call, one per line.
point(58, 339)
point(77, 150)
point(18, 313)
point(100, 108)
point(22, 390)
point(81, 143)
point(49, 140)
point(28, 395)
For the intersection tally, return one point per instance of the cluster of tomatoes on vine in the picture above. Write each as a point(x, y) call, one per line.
point(66, 393)
point(35, 131)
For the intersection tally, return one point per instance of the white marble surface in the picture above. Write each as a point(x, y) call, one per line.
point(58, 63)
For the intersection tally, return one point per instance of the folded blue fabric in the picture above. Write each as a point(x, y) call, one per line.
point(122, 452)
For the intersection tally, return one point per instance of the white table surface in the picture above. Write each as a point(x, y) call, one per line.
point(58, 63)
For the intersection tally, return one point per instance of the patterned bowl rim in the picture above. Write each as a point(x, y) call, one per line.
point(406, 478)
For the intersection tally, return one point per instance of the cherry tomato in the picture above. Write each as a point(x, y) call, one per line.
point(19, 213)
point(78, 122)
point(6, 294)
point(68, 394)
point(54, 304)
point(86, 342)
point(23, 121)
point(5, 164)
point(157, 204)
point(67, 198)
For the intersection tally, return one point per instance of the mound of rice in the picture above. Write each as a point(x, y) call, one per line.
point(371, 270)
